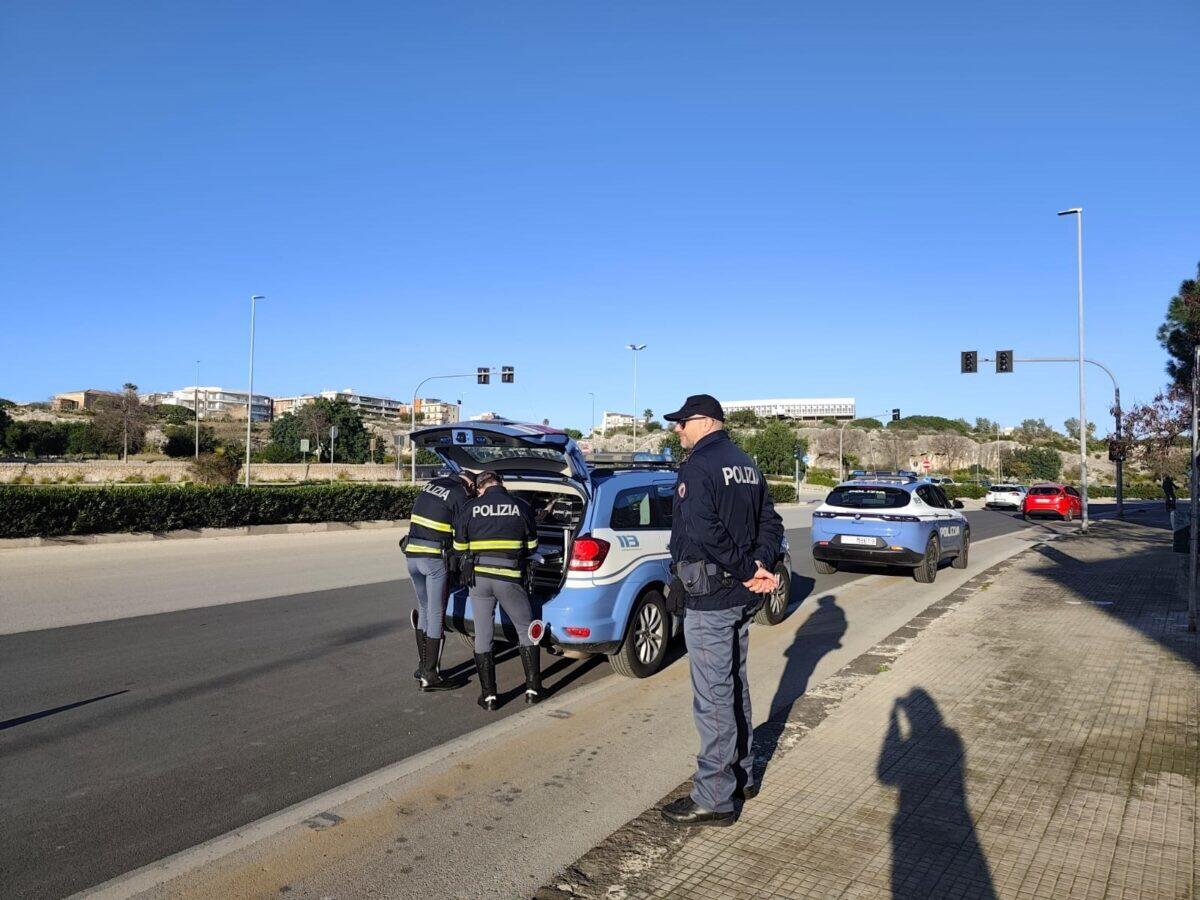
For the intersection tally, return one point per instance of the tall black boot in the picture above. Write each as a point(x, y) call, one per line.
point(431, 678)
point(419, 635)
point(531, 660)
point(485, 663)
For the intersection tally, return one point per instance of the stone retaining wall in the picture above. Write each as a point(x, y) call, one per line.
point(107, 471)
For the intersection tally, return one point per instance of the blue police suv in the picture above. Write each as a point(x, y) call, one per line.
point(601, 570)
point(890, 520)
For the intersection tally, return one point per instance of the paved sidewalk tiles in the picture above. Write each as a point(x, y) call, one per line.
point(1034, 735)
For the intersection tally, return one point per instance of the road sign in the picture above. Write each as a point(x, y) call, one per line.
point(807, 459)
point(926, 465)
point(333, 431)
point(304, 445)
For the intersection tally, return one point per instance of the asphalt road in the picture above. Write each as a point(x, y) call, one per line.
point(124, 741)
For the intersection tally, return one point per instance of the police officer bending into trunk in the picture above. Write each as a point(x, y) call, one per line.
point(725, 540)
point(497, 534)
point(428, 548)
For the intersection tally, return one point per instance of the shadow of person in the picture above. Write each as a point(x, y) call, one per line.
point(819, 634)
point(935, 851)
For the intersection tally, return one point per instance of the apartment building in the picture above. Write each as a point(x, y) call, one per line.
point(77, 400)
point(374, 407)
point(799, 408)
point(219, 401)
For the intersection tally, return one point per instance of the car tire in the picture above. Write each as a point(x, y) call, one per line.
point(963, 558)
point(1069, 516)
point(644, 649)
point(774, 610)
point(824, 568)
point(926, 572)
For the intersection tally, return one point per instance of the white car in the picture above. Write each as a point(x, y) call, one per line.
point(1004, 496)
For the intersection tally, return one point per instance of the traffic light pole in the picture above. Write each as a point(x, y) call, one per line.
point(412, 448)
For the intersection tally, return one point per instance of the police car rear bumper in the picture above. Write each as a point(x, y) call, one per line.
point(867, 556)
point(505, 631)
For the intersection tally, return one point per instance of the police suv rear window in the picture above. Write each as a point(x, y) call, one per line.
point(1044, 490)
point(868, 497)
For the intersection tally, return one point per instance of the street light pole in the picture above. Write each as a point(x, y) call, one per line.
point(196, 408)
point(592, 422)
point(250, 392)
point(1077, 212)
point(635, 348)
point(412, 448)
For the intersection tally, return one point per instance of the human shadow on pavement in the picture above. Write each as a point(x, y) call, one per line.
point(935, 850)
point(819, 634)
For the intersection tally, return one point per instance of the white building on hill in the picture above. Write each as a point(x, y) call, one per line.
point(799, 408)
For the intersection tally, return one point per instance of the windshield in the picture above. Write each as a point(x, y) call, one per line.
point(868, 497)
point(1044, 490)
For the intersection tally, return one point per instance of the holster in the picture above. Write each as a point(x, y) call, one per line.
point(466, 569)
point(700, 578)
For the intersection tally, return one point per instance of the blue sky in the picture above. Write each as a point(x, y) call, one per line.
point(780, 199)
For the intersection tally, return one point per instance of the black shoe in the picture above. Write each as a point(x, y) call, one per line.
point(485, 664)
point(749, 792)
point(419, 636)
point(531, 661)
point(687, 812)
point(431, 679)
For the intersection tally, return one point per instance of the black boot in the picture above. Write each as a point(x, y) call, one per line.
point(431, 678)
point(531, 660)
point(485, 664)
point(421, 652)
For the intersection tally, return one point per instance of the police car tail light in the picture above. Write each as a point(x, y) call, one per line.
point(900, 518)
point(824, 515)
point(588, 553)
point(577, 632)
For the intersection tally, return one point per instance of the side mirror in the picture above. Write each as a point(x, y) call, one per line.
point(958, 503)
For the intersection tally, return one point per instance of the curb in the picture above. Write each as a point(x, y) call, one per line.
point(75, 540)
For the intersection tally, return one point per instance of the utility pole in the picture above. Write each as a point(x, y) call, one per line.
point(196, 408)
point(1077, 212)
point(1193, 484)
point(635, 348)
point(250, 391)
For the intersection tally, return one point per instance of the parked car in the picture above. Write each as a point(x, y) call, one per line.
point(895, 520)
point(1049, 499)
point(1005, 496)
point(602, 542)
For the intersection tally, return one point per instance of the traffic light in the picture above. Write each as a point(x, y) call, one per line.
point(1004, 361)
point(483, 375)
point(970, 362)
point(1116, 450)
point(506, 374)
point(895, 415)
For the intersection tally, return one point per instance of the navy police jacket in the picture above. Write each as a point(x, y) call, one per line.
point(499, 530)
point(433, 515)
point(723, 515)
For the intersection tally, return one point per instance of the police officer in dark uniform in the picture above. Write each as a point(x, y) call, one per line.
point(428, 548)
point(725, 540)
point(497, 534)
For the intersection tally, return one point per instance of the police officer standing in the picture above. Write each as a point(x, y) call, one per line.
point(428, 548)
point(725, 540)
point(497, 535)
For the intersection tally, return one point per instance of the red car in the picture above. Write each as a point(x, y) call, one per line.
point(1046, 499)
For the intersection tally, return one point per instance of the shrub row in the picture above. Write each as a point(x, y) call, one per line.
point(964, 491)
point(50, 511)
point(782, 491)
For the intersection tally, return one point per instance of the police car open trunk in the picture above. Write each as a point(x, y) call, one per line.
point(541, 465)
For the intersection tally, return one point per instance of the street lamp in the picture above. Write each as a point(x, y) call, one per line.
point(250, 393)
point(196, 407)
point(592, 422)
point(1077, 212)
point(635, 348)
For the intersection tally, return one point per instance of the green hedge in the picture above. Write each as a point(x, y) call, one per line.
point(1135, 491)
point(782, 491)
point(964, 491)
point(49, 511)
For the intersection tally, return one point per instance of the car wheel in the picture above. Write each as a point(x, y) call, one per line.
point(926, 572)
point(960, 561)
point(642, 652)
point(824, 568)
point(774, 610)
point(1070, 515)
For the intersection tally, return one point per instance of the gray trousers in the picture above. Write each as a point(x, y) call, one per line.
point(512, 599)
point(431, 581)
point(717, 642)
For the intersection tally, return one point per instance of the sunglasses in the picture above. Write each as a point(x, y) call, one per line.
point(681, 422)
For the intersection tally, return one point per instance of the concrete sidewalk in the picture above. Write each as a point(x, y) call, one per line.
point(1036, 734)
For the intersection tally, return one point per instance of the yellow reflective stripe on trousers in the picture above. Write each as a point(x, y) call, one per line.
point(495, 545)
point(416, 548)
point(532, 543)
point(431, 523)
point(496, 570)
point(461, 545)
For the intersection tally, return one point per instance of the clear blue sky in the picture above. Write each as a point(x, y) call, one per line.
point(780, 199)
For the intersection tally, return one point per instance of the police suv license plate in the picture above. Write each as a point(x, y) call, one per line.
point(858, 539)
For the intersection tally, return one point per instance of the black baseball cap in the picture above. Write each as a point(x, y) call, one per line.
point(698, 405)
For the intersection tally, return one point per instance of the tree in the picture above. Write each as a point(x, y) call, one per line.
point(930, 423)
point(313, 421)
point(774, 447)
point(573, 433)
point(647, 415)
point(181, 440)
point(1154, 428)
point(1072, 427)
point(653, 425)
point(1031, 430)
point(985, 426)
point(746, 418)
point(121, 420)
point(174, 414)
point(1180, 331)
point(868, 424)
point(672, 444)
point(5, 421)
point(1032, 463)
point(215, 468)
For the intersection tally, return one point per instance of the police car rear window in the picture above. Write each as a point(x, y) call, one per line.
point(492, 454)
point(868, 498)
point(1044, 490)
